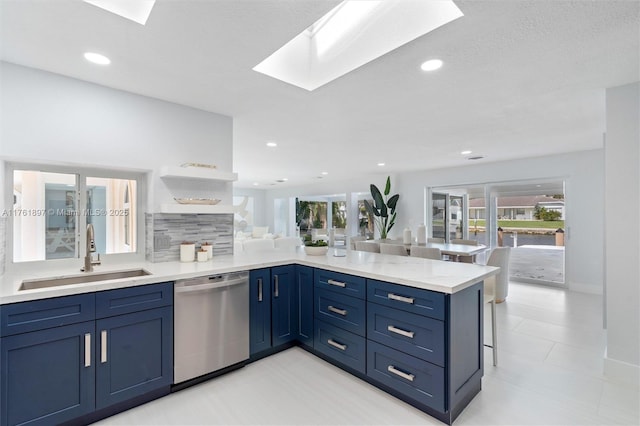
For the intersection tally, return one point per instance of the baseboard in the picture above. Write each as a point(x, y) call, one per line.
point(622, 371)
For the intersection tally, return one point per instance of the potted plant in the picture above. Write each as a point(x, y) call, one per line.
point(315, 248)
point(383, 209)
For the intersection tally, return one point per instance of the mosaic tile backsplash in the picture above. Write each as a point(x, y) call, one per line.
point(165, 232)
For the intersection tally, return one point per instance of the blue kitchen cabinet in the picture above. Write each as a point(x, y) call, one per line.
point(284, 309)
point(67, 358)
point(134, 342)
point(259, 310)
point(304, 292)
point(273, 308)
point(47, 376)
point(134, 355)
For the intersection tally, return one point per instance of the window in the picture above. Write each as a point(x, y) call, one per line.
point(53, 206)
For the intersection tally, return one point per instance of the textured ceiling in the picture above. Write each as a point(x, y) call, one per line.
point(521, 79)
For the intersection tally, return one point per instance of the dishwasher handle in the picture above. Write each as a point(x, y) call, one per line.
point(180, 287)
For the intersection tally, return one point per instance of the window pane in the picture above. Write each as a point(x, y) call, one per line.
point(44, 215)
point(111, 208)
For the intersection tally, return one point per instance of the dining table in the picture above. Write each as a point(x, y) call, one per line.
point(451, 249)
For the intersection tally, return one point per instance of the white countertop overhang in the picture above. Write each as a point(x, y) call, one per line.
point(435, 275)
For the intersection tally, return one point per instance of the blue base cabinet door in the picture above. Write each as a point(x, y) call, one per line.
point(134, 355)
point(304, 291)
point(259, 310)
point(284, 309)
point(48, 376)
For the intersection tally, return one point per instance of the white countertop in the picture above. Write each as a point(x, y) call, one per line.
point(436, 275)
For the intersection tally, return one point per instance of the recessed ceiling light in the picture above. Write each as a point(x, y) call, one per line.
point(255, 184)
point(272, 144)
point(325, 173)
point(466, 152)
point(431, 65)
point(134, 10)
point(97, 58)
point(380, 164)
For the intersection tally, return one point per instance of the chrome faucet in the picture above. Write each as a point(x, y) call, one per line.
point(91, 248)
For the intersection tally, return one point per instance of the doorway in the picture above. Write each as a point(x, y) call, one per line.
point(528, 216)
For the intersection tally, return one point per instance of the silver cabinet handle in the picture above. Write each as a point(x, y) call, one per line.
point(337, 283)
point(259, 289)
point(400, 331)
point(337, 345)
point(103, 346)
point(338, 311)
point(400, 298)
point(276, 290)
point(87, 350)
point(407, 376)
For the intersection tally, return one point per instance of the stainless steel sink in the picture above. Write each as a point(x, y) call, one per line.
point(82, 278)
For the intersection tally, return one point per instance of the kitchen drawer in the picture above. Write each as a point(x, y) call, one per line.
point(133, 299)
point(340, 283)
point(340, 345)
point(342, 311)
point(414, 334)
point(410, 299)
point(36, 315)
point(417, 379)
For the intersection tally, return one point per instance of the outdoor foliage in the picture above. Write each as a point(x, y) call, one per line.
point(383, 208)
point(541, 213)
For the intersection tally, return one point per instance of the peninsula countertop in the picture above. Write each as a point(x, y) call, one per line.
point(435, 275)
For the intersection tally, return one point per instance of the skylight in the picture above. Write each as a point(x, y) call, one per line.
point(134, 10)
point(352, 34)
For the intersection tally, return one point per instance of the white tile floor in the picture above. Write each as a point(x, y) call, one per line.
point(549, 373)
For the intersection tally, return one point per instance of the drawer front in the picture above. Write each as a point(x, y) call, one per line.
point(413, 377)
point(36, 315)
point(341, 346)
point(414, 334)
point(133, 299)
point(340, 283)
point(414, 300)
point(342, 311)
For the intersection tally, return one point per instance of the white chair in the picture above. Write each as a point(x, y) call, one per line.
point(396, 249)
point(259, 231)
point(495, 291)
point(354, 239)
point(369, 246)
point(258, 244)
point(426, 252)
point(287, 243)
point(465, 259)
point(500, 257)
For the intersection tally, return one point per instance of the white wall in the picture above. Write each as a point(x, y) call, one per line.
point(582, 171)
point(52, 118)
point(622, 211)
point(259, 204)
point(583, 174)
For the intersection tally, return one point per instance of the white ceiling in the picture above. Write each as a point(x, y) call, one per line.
point(521, 79)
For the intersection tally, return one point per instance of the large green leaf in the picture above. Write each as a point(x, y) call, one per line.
point(392, 202)
point(377, 197)
point(383, 211)
point(387, 188)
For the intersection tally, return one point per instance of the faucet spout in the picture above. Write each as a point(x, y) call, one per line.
point(89, 262)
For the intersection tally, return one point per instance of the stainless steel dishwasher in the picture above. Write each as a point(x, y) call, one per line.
point(211, 324)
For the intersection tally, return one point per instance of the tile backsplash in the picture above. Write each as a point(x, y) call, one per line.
point(165, 232)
